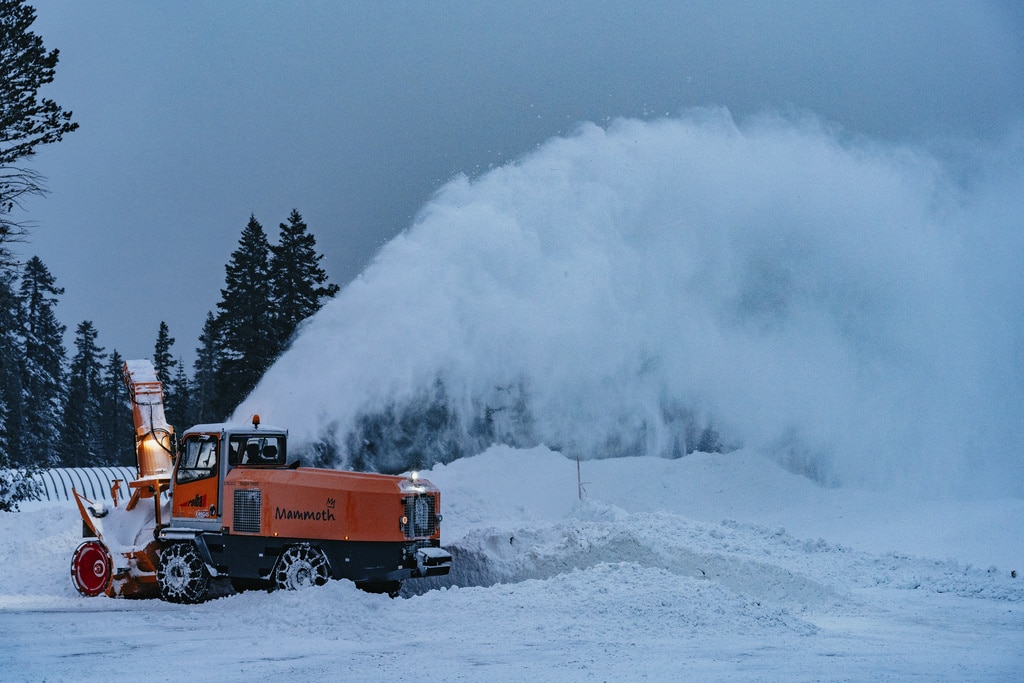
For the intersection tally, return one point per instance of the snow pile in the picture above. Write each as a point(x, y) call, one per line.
point(43, 536)
point(705, 568)
point(681, 516)
point(656, 287)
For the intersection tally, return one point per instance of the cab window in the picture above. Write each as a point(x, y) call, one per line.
point(256, 450)
point(198, 459)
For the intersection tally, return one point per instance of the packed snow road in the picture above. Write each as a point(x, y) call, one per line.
point(716, 567)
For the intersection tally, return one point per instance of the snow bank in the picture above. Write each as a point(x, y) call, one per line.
point(517, 514)
point(848, 306)
point(642, 578)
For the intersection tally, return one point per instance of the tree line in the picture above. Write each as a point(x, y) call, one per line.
point(61, 411)
point(57, 411)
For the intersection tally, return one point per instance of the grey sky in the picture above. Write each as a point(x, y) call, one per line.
point(194, 115)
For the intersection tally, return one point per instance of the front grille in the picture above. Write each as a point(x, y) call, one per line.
point(248, 504)
point(421, 513)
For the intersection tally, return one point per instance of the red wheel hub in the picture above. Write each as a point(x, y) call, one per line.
point(90, 568)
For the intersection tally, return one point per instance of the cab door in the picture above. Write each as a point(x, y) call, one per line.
point(197, 482)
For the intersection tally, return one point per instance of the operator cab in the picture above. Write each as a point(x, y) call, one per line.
point(207, 454)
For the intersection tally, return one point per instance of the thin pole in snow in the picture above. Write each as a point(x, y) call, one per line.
point(579, 479)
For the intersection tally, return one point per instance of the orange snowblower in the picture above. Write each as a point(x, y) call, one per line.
point(228, 504)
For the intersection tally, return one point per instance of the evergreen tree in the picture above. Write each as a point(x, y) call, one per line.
point(26, 121)
point(205, 401)
point(177, 402)
point(81, 445)
point(164, 364)
point(44, 355)
point(163, 361)
point(12, 413)
point(246, 319)
point(115, 428)
point(299, 283)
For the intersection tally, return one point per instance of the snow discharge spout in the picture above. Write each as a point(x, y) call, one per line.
point(654, 288)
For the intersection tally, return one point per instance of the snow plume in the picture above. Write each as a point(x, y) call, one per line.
point(850, 307)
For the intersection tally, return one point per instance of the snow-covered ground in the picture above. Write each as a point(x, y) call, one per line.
point(711, 567)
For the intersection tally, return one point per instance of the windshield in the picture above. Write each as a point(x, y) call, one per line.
point(198, 458)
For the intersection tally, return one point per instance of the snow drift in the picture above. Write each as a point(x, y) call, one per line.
point(713, 567)
point(652, 288)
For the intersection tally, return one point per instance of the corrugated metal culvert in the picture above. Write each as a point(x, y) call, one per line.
point(91, 482)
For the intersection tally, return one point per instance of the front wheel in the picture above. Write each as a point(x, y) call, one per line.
point(90, 568)
point(300, 566)
point(182, 574)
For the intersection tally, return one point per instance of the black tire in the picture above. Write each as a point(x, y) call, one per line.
point(301, 566)
point(182, 574)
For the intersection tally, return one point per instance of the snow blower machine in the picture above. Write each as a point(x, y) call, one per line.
point(224, 502)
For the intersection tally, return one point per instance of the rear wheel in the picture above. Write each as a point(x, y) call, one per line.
point(90, 568)
point(182, 574)
point(300, 566)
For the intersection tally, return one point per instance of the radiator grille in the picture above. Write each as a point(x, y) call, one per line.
point(422, 515)
point(248, 503)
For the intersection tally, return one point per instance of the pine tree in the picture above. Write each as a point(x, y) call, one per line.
point(206, 370)
point(246, 319)
point(178, 400)
point(299, 283)
point(163, 361)
point(81, 445)
point(12, 413)
point(43, 378)
point(115, 429)
point(26, 121)
point(165, 365)
point(11, 355)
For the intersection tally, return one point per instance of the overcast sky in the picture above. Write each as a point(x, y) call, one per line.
point(195, 115)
